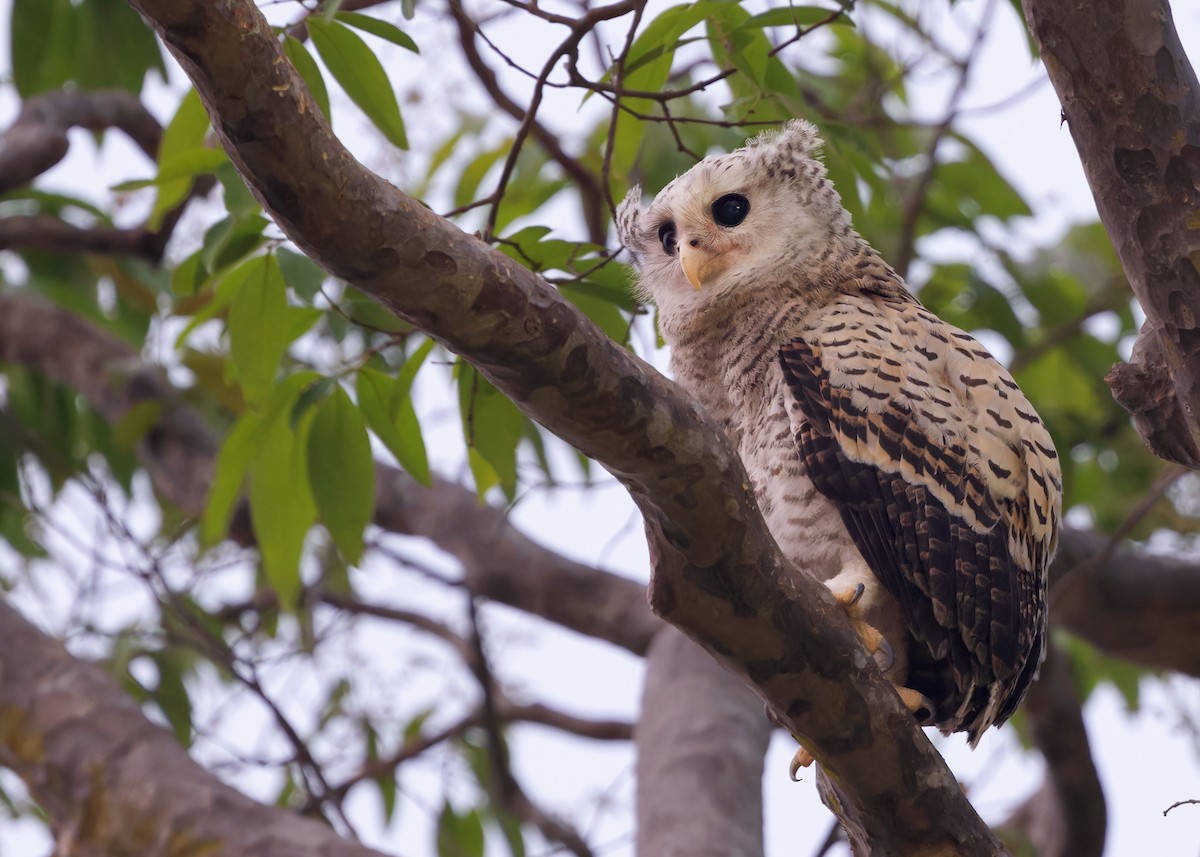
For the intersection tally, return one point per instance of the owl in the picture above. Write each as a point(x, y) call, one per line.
point(892, 456)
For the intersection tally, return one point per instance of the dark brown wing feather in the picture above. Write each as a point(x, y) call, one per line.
point(960, 592)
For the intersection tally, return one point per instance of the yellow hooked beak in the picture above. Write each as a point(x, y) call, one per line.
point(695, 263)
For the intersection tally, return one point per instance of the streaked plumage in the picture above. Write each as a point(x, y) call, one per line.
point(886, 447)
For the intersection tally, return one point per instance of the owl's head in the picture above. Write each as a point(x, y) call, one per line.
point(759, 215)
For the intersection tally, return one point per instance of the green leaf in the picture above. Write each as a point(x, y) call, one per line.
point(385, 782)
point(492, 426)
point(474, 173)
point(792, 16)
point(281, 505)
point(239, 201)
point(659, 39)
point(228, 285)
point(312, 396)
point(510, 827)
point(186, 164)
point(408, 374)
point(360, 73)
point(341, 472)
point(135, 422)
point(171, 695)
point(232, 239)
point(41, 43)
point(233, 463)
point(301, 273)
point(1092, 668)
point(186, 130)
point(459, 835)
point(395, 425)
point(259, 330)
point(1058, 388)
point(606, 316)
point(46, 202)
point(103, 24)
point(380, 28)
point(309, 72)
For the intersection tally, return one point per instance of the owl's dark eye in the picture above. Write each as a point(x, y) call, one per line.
point(666, 236)
point(731, 209)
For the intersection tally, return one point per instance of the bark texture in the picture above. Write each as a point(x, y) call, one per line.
point(718, 574)
point(700, 740)
point(1132, 102)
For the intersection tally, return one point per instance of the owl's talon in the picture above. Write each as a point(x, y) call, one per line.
point(802, 759)
point(889, 655)
point(874, 641)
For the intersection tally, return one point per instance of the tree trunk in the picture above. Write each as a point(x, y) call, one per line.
point(1132, 101)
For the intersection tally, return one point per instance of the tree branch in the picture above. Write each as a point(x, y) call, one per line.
point(700, 745)
point(1134, 606)
point(718, 574)
point(43, 232)
point(113, 782)
point(591, 191)
point(1132, 102)
point(1067, 814)
point(1130, 605)
point(37, 139)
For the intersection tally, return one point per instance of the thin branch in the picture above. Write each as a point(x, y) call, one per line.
point(1187, 802)
point(592, 192)
point(1067, 815)
point(919, 190)
point(502, 785)
point(43, 232)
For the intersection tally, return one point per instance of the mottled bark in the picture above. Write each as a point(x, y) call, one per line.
point(1132, 102)
point(1144, 388)
point(113, 783)
point(718, 574)
point(700, 742)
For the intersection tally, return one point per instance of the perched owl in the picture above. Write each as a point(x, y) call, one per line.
point(892, 456)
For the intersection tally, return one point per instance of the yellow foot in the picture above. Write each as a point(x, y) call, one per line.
point(916, 702)
point(875, 642)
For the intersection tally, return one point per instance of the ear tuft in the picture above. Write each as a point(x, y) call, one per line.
point(798, 138)
point(629, 213)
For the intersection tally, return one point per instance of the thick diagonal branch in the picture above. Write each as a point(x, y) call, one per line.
point(1132, 101)
point(1134, 606)
point(718, 574)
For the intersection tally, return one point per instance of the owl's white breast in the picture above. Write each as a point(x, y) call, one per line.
point(731, 366)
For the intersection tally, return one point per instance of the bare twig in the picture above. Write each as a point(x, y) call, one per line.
point(915, 203)
point(505, 791)
point(1181, 803)
point(591, 191)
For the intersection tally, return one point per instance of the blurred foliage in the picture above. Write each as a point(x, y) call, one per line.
point(308, 383)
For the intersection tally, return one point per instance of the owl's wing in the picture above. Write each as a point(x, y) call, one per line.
point(948, 483)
